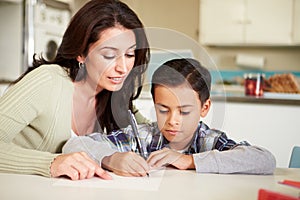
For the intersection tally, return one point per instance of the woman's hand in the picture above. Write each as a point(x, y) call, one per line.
point(126, 164)
point(77, 166)
point(168, 156)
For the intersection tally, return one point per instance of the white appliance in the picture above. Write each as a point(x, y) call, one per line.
point(11, 39)
point(50, 22)
point(28, 27)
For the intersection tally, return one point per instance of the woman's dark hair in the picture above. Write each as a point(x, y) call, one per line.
point(177, 71)
point(85, 29)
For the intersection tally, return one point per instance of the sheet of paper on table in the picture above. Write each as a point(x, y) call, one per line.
point(150, 183)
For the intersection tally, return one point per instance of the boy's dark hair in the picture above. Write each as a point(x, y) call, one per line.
point(177, 71)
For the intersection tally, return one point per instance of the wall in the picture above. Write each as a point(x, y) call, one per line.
point(172, 14)
point(172, 23)
point(75, 5)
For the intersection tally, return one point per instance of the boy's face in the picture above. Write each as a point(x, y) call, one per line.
point(178, 111)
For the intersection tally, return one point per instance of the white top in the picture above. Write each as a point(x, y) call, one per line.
point(73, 134)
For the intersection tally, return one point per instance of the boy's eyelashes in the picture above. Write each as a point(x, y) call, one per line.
point(184, 113)
point(181, 112)
point(163, 111)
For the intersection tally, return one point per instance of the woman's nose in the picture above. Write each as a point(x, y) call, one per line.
point(121, 65)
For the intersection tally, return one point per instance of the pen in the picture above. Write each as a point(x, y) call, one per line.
point(133, 124)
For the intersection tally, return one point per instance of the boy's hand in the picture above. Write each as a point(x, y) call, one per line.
point(168, 156)
point(126, 164)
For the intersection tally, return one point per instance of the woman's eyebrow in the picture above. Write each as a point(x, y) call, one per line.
point(115, 49)
point(133, 46)
point(107, 47)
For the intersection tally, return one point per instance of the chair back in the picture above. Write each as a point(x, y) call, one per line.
point(295, 158)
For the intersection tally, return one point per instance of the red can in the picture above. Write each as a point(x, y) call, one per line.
point(254, 83)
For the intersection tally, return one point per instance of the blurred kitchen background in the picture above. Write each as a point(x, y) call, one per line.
point(263, 34)
point(231, 37)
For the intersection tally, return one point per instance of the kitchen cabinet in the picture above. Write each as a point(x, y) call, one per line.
point(249, 22)
point(272, 126)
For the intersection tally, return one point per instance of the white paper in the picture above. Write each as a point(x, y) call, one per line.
point(150, 183)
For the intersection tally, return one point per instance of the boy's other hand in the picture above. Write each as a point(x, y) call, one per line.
point(168, 156)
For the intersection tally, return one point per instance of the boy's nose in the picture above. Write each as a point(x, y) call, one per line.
point(174, 119)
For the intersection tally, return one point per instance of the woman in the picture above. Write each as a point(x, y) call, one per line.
point(104, 41)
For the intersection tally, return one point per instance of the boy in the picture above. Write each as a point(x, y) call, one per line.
point(181, 94)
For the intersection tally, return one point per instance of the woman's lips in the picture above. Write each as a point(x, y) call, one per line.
point(116, 80)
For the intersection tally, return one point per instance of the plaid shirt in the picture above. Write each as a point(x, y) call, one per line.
point(205, 139)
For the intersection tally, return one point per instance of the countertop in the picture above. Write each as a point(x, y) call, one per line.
point(236, 94)
point(267, 98)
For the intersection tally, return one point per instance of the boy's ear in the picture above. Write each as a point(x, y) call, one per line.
point(205, 108)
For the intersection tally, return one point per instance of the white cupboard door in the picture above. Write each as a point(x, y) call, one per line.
point(221, 22)
point(296, 22)
point(269, 21)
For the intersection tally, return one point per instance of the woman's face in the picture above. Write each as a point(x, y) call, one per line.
point(178, 111)
point(110, 59)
